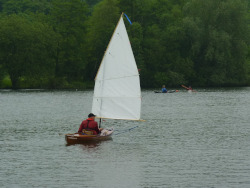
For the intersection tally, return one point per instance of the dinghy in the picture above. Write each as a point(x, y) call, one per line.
point(81, 139)
point(117, 92)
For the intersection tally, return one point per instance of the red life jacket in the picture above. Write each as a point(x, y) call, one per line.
point(90, 125)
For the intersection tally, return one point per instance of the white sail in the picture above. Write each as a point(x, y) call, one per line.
point(117, 93)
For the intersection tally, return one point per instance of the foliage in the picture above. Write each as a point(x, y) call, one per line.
point(27, 48)
point(5, 82)
point(60, 43)
point(14, 6)
point(68, 20)
point(219, 40)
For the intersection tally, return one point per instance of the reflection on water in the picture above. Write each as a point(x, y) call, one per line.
point(188, 140)
point(90, 144)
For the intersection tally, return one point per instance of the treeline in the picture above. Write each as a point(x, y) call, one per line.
point(60, 43)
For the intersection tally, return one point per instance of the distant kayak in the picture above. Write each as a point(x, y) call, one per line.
point(170, 91)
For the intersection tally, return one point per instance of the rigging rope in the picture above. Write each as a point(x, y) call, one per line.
point(126, 130)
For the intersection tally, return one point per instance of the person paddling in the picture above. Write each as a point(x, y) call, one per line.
point(188, 88)
point(90, 125)
point(163, 89)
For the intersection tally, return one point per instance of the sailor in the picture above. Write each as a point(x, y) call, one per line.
point(90, 125)
point(163, 89)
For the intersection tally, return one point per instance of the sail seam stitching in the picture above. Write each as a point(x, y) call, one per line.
point(117, 78)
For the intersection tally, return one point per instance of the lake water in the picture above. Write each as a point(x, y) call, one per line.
point(188, 140)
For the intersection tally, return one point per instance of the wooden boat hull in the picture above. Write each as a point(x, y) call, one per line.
point(81, 139)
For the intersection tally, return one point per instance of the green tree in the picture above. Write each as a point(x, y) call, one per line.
point(92, 3)
point(196, 42)
point(2, 2)
point(14, 7)
point(162, 45)
point(27, 48)
point(69, 20)
point(218, 40)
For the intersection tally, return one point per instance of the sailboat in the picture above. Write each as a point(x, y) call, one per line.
point(117, 92)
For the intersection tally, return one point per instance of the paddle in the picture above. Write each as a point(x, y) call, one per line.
point(187, 88)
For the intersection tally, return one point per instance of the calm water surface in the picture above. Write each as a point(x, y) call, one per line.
point(188, 140)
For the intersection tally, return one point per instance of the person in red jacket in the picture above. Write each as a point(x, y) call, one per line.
point(90, 125)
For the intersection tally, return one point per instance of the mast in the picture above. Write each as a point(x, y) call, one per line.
point(100, 122)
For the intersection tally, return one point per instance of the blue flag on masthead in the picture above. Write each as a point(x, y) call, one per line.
point(128, 18)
